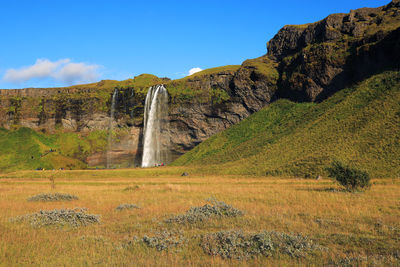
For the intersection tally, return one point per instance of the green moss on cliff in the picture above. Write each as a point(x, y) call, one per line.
point(14, 109)
point(384, 21)
point(196, 86)
point(218, 96)
point(264, 68)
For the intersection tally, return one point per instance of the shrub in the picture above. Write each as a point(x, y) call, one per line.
point(237, 245)
point(132, 188)
point(200, 214)
point(352, 179)
point(164, 240)
point(127, 207)
point(62, 217)
point(53, 197)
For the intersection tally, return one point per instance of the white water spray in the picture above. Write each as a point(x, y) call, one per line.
point(111, 128)
point(156, 127)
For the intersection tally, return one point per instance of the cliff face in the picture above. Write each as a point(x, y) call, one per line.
point(318, 59)
point(303, 63)
point(194, 121)
point(48, 109)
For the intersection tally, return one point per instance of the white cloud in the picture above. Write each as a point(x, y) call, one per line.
point(194, 70)
point(77, 72)
point(43, 68)
point(61, 70)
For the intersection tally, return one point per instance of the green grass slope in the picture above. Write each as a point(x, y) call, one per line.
point(359, 126)
point(26, 149)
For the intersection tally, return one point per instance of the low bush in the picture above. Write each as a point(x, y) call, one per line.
point(127, 207)
point(199, 214)
point(237, 245)
point(49, 197)
point(165, 240)
point(59, 217)
point(352, 179)
point(131, 188)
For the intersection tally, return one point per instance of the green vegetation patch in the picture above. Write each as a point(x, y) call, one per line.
point(79, 146)
point(26, 149)
point(352, 179)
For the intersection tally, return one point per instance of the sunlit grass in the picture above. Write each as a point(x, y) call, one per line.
point(348, 225)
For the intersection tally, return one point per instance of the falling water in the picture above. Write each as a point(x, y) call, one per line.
point(111, 128)
point(155, 130)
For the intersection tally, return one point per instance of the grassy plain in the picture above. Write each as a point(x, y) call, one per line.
point(360, 228)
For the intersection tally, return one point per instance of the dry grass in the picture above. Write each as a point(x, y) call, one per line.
point(358, 228)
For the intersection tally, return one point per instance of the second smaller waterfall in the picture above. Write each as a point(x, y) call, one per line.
point(111, 128)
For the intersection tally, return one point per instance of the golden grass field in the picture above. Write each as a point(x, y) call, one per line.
point(356, 228)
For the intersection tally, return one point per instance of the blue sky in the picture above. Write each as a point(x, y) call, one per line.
point(58, 43)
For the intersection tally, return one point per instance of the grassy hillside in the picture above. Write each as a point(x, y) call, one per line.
point(359, 125)
point(26, 149)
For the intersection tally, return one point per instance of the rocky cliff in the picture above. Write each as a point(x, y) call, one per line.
point(318, 59)
point(303, 63)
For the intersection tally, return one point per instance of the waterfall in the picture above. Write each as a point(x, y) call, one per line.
point(111, 128)
point(156, 127)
